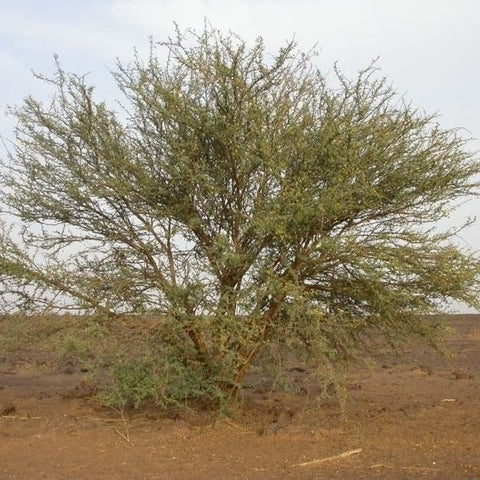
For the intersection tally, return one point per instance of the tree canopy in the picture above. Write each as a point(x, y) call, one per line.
point(242, 197)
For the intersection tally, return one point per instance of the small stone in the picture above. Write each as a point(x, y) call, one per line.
point(462, 375)
point(298, 369)
point(355, 386)
point(7, 408)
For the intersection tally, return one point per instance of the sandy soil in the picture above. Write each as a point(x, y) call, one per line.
point(415, 415)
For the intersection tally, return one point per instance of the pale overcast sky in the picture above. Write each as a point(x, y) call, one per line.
point(428, 49)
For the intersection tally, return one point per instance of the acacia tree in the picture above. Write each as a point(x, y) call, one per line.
point(243, 199)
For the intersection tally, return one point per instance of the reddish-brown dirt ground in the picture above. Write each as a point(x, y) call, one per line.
point(414, 415)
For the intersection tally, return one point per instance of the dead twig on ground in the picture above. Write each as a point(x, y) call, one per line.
point(16, 417)
point(421, 469)
point(123, 417)
point(125, 437)
point(318, 461)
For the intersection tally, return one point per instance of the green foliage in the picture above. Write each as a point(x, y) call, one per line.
point(70, 345)
point(162, 379)
point(244, 200)
point(131, 384)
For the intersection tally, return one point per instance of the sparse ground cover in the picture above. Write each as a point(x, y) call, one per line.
point(413, 415)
